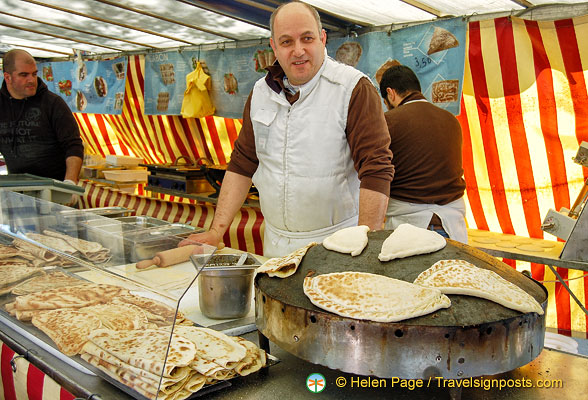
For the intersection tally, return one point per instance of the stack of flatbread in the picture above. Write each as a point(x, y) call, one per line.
point(408, 240)
point(91, 251)
point(196, 356)
point(462, 277)
point(372, 297)
point(283, 267)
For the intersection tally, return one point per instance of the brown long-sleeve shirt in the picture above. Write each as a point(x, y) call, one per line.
point(367, 135)
point(427, 147)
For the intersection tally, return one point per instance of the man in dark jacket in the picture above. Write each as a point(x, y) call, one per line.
point(38, 133)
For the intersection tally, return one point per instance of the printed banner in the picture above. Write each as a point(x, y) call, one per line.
point(233, 73)
point(434, 51)
point(93, 87)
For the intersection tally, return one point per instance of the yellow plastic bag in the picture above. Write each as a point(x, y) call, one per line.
point(197, 103)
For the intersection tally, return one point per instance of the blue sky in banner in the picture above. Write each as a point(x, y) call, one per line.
point(434, 51)
point(95, 87)
point(233, 73)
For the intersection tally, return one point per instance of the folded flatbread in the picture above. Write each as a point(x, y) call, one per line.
point(213, 346)
point(75, 296)
point(50, 280)
point(350, 240)
point(283, 267)
point(372, 297)
point(156, 311)
point(118, 316)
point(52, 242)
point(92, 251)
point(23, 248)
point(462, 277)
point(146, 348)
point(408, 240)
point(68, 328)
point(254, 360)
point(10, 275)
point(178, 373)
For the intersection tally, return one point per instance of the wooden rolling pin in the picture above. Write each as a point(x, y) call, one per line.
point(169, 257)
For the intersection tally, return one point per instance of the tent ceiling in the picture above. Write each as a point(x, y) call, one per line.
point(53, 28)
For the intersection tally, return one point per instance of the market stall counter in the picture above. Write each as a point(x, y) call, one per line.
point(74, 292)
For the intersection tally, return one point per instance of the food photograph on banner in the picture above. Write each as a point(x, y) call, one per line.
point(94, 87)
point(233, 72)
point(434, 51)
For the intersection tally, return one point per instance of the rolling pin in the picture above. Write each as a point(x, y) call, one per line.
point(169, 257)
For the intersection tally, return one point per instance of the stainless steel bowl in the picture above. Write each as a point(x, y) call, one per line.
point(225, 294)
point(226, 290)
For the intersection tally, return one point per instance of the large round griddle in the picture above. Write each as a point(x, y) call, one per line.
point(473, 337)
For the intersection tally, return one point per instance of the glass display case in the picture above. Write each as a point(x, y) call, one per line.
point(72, 286)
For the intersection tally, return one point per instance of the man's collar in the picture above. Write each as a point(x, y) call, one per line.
point(411, 97)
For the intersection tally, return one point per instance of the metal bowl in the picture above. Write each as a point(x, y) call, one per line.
point(226, 291)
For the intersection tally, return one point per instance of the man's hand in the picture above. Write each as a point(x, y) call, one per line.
point(211, 237)
point(74, 200)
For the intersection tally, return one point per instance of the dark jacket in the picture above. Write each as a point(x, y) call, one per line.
point(38, 133)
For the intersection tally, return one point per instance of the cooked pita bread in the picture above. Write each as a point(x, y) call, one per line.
point(442, 40)
point(146, 348)
point(350, 240)
point(213, 346)
point(68, 328)
point(372, 297)
point(76, 296)
point(283, 267)
point(461, 277)
point(52, 242)
point(50, 280)
point(408, 240)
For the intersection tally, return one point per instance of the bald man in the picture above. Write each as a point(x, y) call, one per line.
point(38, 133)
point(314, 142)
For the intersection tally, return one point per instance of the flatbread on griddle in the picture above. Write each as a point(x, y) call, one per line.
point(408, 240)
point(283, 267)
point(68, 328)
point(462, 277)
point(351, 240)
point(372, 297)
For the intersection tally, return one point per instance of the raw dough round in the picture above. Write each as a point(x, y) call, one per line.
point(530, 247)
point(506, 244)
point(485, 239)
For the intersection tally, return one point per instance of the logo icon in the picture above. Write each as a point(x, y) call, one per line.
point(316, 383)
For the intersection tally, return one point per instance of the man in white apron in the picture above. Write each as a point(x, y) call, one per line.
point(314, 142)
point(426, 141)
